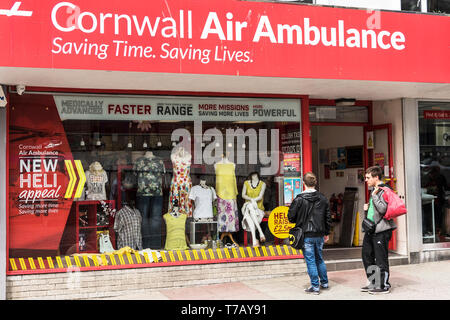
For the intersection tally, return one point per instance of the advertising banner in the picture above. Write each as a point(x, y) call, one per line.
point(217, 37)
point(181, 109)
point(39, 163)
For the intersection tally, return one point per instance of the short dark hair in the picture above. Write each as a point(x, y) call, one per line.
point(310, 179)
point(375, 171)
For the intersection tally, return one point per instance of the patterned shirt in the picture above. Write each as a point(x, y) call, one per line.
point(127, 224)
point(150, 172)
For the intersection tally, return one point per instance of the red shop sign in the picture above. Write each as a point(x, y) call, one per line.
point(436, 114)
point(226, 37)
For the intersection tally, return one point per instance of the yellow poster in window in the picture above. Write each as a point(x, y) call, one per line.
point(278, 222)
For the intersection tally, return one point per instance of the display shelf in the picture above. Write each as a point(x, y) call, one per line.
point(87, 228)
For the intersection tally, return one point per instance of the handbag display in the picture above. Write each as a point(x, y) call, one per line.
point(297, 235)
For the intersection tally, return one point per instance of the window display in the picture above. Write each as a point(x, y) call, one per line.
point(109, 181)
point(434, 130)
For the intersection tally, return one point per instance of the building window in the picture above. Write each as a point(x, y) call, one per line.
point(434, 133)
point(153, 177)
point(439, 6)
point(411, 5)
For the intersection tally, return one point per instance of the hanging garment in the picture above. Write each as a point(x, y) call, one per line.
point(150, 172)
point(96, 185)
point(181, 184)
point(203, 198)
point(227, 215)
point(254, 192)
point(105, 245)
point(226, 187)
point(176, 232)
point(127, 224)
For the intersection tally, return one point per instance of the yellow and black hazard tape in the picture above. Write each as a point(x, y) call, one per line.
point(153, 257)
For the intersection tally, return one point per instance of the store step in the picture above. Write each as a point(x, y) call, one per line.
point(350, 258)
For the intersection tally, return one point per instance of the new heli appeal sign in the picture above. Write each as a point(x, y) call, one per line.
point(226, 37)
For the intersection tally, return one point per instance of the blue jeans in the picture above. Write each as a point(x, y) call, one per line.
point(314, 262)
point(150, 208)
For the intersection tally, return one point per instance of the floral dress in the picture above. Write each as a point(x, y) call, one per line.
point(181, 184)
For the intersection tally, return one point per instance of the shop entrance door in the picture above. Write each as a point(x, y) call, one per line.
point(378, 150)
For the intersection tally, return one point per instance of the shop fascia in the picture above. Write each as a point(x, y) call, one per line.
point(228, 30)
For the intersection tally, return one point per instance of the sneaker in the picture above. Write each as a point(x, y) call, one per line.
point(367, 288)
point(379, 291)
point(312, 290)
point(324, 286)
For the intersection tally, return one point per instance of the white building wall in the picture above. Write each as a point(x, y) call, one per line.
point(390, 111)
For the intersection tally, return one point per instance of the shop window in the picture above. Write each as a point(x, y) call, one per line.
point(434, 133)
point(154, 178)
point(411, 5)
point(439, 6)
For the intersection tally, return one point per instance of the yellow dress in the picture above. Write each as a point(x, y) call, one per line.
point(226, 187)
point(176, 232)
point(254, 193)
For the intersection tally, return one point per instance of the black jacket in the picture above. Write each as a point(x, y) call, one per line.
point(319, 223)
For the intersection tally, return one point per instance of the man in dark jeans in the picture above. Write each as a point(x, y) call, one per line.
point(375, 245)
point(316, 229)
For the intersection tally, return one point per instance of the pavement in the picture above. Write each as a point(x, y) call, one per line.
point(426, 281)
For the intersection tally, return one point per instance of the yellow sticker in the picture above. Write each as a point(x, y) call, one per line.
point(219, 254)
point(250, 253)
point(195, 255)
point(278, 222)
point(163, 256)
point(234, 252)
point(171, 256)
point(180, 256)
point(227, 253)
point(202, 251)
point(32, 265)
point(50, 263)
point(272, 253)
point(154, 256)
point(13, 264)
point(258, 254)
point(41, 263)
point(188, 255)
point(264, 250)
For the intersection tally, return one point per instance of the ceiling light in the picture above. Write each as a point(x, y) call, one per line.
point(82, 142)
point(344, 102)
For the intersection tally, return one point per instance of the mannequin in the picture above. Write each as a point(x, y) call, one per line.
point(127, 224)
point(150, 170)
point(226, 189)
point(181, 181)
point(253, 209)
point(176, 229)
point(203, 197)
point(96, 179)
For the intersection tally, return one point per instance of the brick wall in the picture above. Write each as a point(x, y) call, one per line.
point(112, 283)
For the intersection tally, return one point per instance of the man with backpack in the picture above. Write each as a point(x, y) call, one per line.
point(376, 242)
point(311, 211)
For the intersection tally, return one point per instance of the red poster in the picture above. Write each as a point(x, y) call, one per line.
point(437, 114)
point(291, 163)
point(38, 178)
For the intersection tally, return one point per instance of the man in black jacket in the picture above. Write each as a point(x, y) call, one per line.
point(316, 228)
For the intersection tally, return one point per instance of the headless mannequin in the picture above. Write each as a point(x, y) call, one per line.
point(204, 186)
point(224, 234)
point(253, 221)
